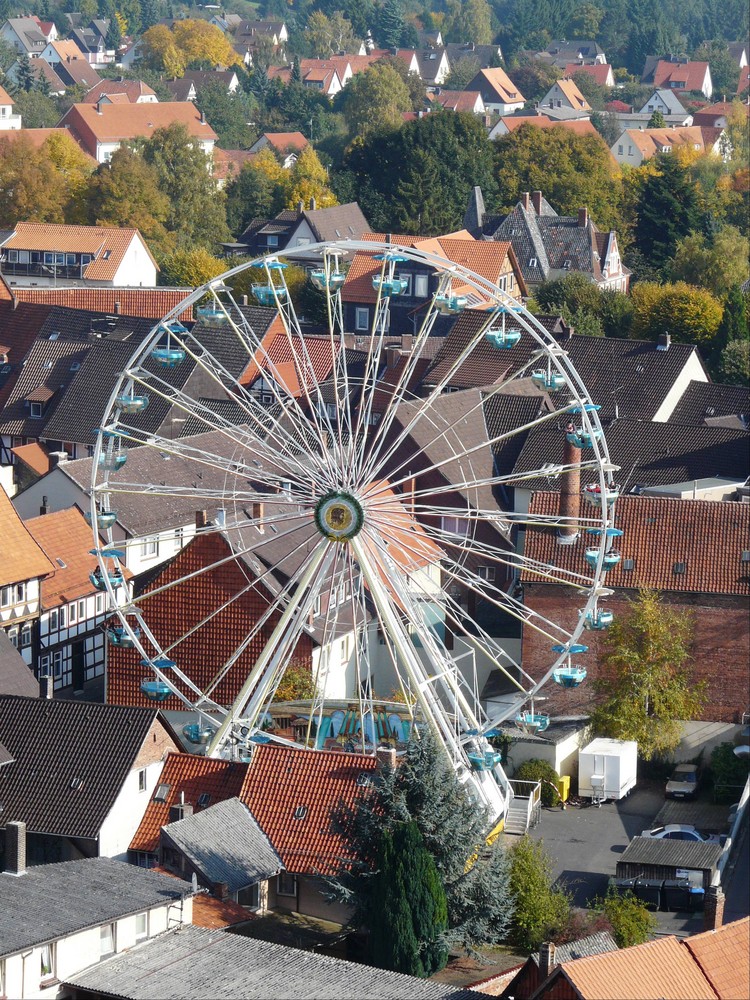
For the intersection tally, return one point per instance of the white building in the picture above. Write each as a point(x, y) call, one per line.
point(8, 120)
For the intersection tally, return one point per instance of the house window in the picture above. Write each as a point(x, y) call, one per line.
point(72, 617)
point(362, 319)
point(149, 547)
point(142, 780)
point(36, 410)
point(286, 884)
point(141, 926)
point(407, 279)
point(81, 610)
point(52, 622)
point(203, 800)
point(57, 659)
point(106, 940)
point(249, 896)
point(44, 666)
point(679, 568)
point(6, 596)
point(272, 240)
point(26, 635)
point(486, 573)
point(458, 526)
point(628, 565)
point(532, 262)
point(13, 636)
point(421, 286)
point(99, 603)
point(13, 256)
point(619, 150)
point(162, 791)
point(178, 538)
point(47, 961)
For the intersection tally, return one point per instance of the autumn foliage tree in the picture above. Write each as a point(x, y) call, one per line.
point(689, 314)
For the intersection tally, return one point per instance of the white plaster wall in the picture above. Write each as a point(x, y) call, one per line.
point(697, 736)
point(693, 371)
point(60, 490)
point(137, 268)
point(126, 814)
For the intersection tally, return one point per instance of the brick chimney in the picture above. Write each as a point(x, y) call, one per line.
point(313, 204)
point(526, 200)
point(221, 890)
point(713, 908)
point(546, 959)
point(536, 199)
point(386, 756)
point(570, 491)
point(583, 218)
point(201, 519)
point(180, 810)
point(15, 848)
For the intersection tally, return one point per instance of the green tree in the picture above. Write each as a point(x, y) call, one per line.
point(409, 916)
point(630, 921)
point(570, 169)
point(536, 769)
point(414, 84)
point(468, 21)
point(534, 77)
point(667, 210)
point(725, 72)
point(728, 773)
point(31, 189)
point(586, 21)
point(297, 684)
point(374, 101)
point(541, 911)
point(656, 120)
point(125, 192)
point(227, 114)
point(734, 366)
point(189, 268)
point(474, 873)
point(462, 72)
point(36, 110)
point(691, 315)
point(574, 290)
point(74, 168)
point(250, 195)
point(25, 78)
point(309, 180)
point(645, 687)
point(390, 26)
point(197, 212)
point(718, 263)
point(734, 325)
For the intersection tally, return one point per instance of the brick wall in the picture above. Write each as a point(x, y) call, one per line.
point(721, 647)
point(156, 746)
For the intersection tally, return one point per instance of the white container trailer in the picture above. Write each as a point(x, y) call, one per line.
point(607, 769)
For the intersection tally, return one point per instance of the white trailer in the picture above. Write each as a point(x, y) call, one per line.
point(607, 769)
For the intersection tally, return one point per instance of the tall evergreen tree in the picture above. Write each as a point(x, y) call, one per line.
point(667, 210)
point(656, 120)
point(390, 24)
point(149, 14)
point(25, 75)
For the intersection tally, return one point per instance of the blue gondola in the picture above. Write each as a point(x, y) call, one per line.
point(128, 403)
point(392, 257)
point(569, 677)
point(550, 381)
point(268, 294)
point(108, 553)
point(162, 662)
point(503, 339)
point(332, 281)
point(609, 532)
point(168, 357)
point(389, 286)
point(104, 518)
point(582, 438)
point(609, 560)
point(260, 738)
point(572, 650)
point(211, 315)
point(197, 734)
point(114, 576)
point(532, 723)
point(112, 460)
point(155, 690)
point(588, 407)
point(120, 637)
point(449, 305)
point(599, 620)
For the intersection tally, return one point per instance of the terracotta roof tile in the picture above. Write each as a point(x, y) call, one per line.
point(216, 913)
point(22, 558)
point(131, 90)
point(148, 303)
point(722, 955)
point(107, 245)
point(648, 971)
point(286, 140)
point(120, 122)
point(192, 776)
point(574, 95)
point(579, 126)
point(283, 779)
point(498, 81)
point(35, 456)
point(599, 71)
point(689, 546)
point(691, 74)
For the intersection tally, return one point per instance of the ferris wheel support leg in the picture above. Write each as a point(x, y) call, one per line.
point(299, 606)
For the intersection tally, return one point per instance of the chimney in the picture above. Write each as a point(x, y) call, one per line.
point(44, 508)
point(583, 218)
point(203, 118)
point(180, 810)
point(99, 106)
point(118, 308)
point(664, 342)
point(407, 341)
point(300, 206)
point(221, 890)
point(312, 204)
point(49, 686)
point(386, 757)
point(536, 198)
point(244, 300)
point(713, 908)
point(526, 200)
point(201, 519)
point(57, 458)
point(546, 959)
point(256, 513)
point(570, 491)
point(15, 848)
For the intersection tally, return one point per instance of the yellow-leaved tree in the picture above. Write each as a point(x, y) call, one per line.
point(75, 169)
point(309, 180)
point(199, 41)
point(160, 51)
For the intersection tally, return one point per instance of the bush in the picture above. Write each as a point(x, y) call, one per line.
point(729, 773)
point(541, 912)
point(540, 770)
point(630, 921)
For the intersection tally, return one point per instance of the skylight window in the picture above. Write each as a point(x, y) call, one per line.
point(203, 799)
point(679, 568)
point(300, 812)
point(162, 791)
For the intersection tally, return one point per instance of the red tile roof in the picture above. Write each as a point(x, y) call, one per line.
point(457, 100)
point(227, 163)
point(289, 363)
point(130, 89)
point(691, 75)
point(689, 546)
point(146, 303)
point(35, 456)
point(283, 779)
point(722, 955)
point(22, 558)
point(599, 71)
point(282, 141)
point(120, 122)
point(580, 127)
point(192, 776)
point(106, 244)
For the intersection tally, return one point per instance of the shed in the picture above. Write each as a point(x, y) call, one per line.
point(646, 857)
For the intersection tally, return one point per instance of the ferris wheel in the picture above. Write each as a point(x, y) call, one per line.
point(359, 507)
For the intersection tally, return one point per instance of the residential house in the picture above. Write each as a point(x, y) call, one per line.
point(71, 639)
point(548, 245)
point(226, 21)
point(744, 84)
point(50, 254)
point(710, 404)
point(738, 52)
point(275, 31)
point(666, 101)
point(227, 164)
point(716, 115)
point(119, 91)
point(459, 100)
point(566, 95)
point(499, 93)
point(693, 552)
point(8, 120)
point(600, 73)
point(486, 55)
point(101, 128)
point(286, 145)
point(181, 89)
point(22, 568)
point(82, 774)
point(200, 78)
point(92, 42)
point(28, 35)
point(635, 146)
point(433, 66)
point(681, 75)
point(562, 52)
point(304, 226)
point(580, 126)
point(324, 75)
point(192, 961)
point(70, 65)
point(44, 76)
point(60, 919)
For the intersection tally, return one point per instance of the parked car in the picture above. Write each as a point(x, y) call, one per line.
point(681, 831)
point(684, 782)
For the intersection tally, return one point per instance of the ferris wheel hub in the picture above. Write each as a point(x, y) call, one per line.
point(339, 516)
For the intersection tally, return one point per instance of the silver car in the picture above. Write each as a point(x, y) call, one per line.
point(684, 782)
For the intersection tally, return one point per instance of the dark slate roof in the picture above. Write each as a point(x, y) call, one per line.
point(15, 676)
point(703, 401)
point(677, 853)
point(53, 901)
point(594, 944)
point(192, 963)
point(226, 844)
point(340, 222)
point(48, 364)
point(55, 741)
point(648, 453)
point(521, 229)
